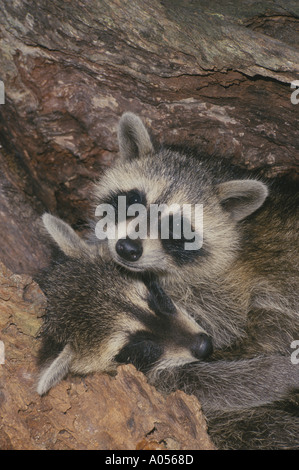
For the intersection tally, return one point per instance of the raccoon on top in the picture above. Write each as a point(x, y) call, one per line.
point(166, 178)
point(247, 259)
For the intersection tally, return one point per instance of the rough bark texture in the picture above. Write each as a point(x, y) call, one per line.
point(98, 412)
point(214, 74)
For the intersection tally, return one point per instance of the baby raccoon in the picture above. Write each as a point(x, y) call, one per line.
point(240, 282)
point(244, 273)
point(98, 317)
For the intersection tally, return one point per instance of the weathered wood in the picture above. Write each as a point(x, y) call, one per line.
point(210, 73)
point(215, 74)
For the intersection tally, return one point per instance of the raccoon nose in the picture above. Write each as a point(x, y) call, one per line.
point(128, 249)
point(202, 346)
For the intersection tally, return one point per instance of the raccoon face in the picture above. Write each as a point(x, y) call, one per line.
point(167, 336)
point(99, 317)
point(149, 191)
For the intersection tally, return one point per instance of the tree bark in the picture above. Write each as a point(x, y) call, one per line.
point(215, 75)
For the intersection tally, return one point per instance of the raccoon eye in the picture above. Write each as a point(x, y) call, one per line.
point(135, 197)
point(141, 352)
point(158, 301)
point(132, 197)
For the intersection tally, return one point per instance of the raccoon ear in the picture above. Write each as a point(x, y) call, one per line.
point(65, 237)
point(55, 372)
point(134, 140)
point(242, 197)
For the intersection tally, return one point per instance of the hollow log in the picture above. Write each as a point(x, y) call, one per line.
point(215, 75)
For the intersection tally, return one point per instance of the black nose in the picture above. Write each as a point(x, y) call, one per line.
point(128, 249)
point(202, 346)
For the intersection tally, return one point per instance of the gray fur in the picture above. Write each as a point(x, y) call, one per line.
point(242, 288)
point(222, 383)
point(65, 237)
point(242, 197)
point(53, 373)
point(134, 140)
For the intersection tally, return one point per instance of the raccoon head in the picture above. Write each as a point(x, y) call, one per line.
point(99, 317)
point(196, 198)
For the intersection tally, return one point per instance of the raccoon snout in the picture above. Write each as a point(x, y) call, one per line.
point(202, 346)
point(129, 249)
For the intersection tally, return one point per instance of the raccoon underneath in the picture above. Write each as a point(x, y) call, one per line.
point(98, 317)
